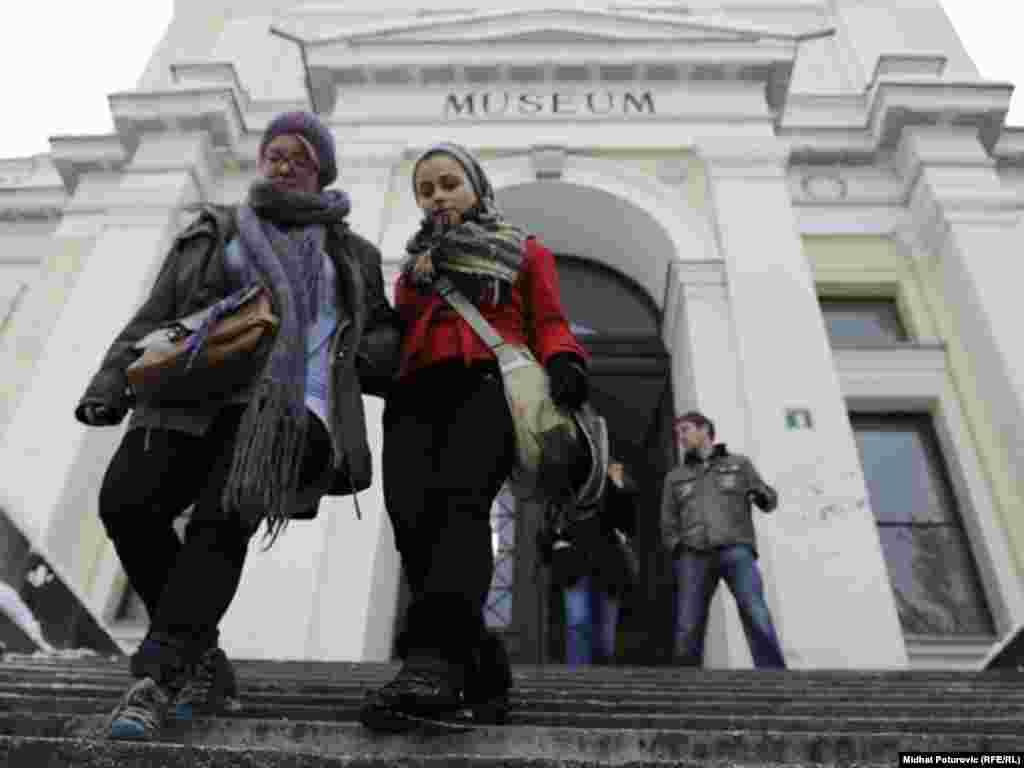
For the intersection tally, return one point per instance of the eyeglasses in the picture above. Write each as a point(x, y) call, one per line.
point(298, 162)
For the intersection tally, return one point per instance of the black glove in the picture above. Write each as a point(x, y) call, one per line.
point(569, 385)
point(757, 497)
point(99, 414)
point(105, 412)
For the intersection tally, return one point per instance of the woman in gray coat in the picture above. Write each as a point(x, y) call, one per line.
point(263, 456)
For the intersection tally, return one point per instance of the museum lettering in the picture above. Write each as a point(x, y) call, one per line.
point(535, 103)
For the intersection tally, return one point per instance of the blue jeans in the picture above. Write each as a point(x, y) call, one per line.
point(591, 617)
point(697, 575)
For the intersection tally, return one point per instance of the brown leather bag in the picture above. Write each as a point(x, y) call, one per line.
point(172, 371)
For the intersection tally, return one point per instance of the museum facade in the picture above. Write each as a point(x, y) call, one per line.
point(799, 216)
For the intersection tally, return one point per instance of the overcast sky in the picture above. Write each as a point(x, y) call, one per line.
point(60, 59)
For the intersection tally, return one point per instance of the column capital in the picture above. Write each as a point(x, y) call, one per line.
point(744, 158)
point(698, 274)
point(940, 146)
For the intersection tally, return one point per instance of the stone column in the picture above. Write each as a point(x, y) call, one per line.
point(971, 224)
point(52, 464)
point(820, 552)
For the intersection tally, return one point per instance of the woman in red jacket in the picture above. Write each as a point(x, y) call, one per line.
point(448, 436)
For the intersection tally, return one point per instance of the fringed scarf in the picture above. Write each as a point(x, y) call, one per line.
point(271, 437)
point(482, 255)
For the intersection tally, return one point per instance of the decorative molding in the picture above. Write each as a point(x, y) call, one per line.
point(867, 220)
point(698, 274)
point(548, 162)
point(845, 186)
point(897, 104)
point(1010, 148)
point(617, 25)
point(42, 213)
point(824, 187)
point(894, 359)
point(909, 65)
point(673, 171)
point(213, 110)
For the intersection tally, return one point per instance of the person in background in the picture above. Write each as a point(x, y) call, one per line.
point(706, 525)
point(592, 563)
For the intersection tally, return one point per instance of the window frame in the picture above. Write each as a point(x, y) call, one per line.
point(898, 379)
point(923, 423)
point(866, 299)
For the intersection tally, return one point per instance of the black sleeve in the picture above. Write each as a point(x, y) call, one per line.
point(765, 496)
point(377, 357)
point(620, 507)
point(108, 385)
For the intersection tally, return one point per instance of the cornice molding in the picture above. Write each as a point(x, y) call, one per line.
point(30, 189)
point(215, 111)
point(858, 128)
point(11, 212)
point(1009, 151)
point(618, 24)
point(77, 155)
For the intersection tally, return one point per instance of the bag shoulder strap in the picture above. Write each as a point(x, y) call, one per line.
point(469, 313)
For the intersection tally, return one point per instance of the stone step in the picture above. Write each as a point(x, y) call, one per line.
point(527, 688)
point(699, 684)
point(859, 722)
point(283, 670)
point(524, 709)
point(277, 743)
point(299, 713)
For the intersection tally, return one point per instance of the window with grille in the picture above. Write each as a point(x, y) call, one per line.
point(929, 559)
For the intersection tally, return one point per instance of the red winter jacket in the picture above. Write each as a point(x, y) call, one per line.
point(533, 316)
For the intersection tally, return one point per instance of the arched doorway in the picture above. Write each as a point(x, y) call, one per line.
point(619, 323)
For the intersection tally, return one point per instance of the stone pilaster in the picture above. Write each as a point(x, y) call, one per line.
point(826, 577)
point(971, 225)
point(53, 465)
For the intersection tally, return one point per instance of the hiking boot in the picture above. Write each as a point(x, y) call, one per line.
point(422, 689)
point(210, 688)
point(141, 713)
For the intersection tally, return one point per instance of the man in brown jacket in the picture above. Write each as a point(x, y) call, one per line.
point(707, 527)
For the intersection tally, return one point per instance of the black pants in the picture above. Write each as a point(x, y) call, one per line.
point(448, 447)
point(154, 476)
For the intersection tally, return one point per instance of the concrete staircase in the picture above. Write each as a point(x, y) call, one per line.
point(304, 714)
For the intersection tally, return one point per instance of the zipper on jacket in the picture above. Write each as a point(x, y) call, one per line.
point(145, 445)
point(336, 460)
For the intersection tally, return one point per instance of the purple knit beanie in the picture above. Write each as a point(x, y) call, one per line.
point(311, 128)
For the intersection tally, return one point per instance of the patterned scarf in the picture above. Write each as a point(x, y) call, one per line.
point(271, 438)
point(482, 255)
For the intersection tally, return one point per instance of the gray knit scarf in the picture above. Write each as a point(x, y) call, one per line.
point(281, 235)
point(483, 254)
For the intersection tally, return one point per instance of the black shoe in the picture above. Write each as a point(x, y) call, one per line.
point(210, 688)
point(488, 681)
point(423, 689)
